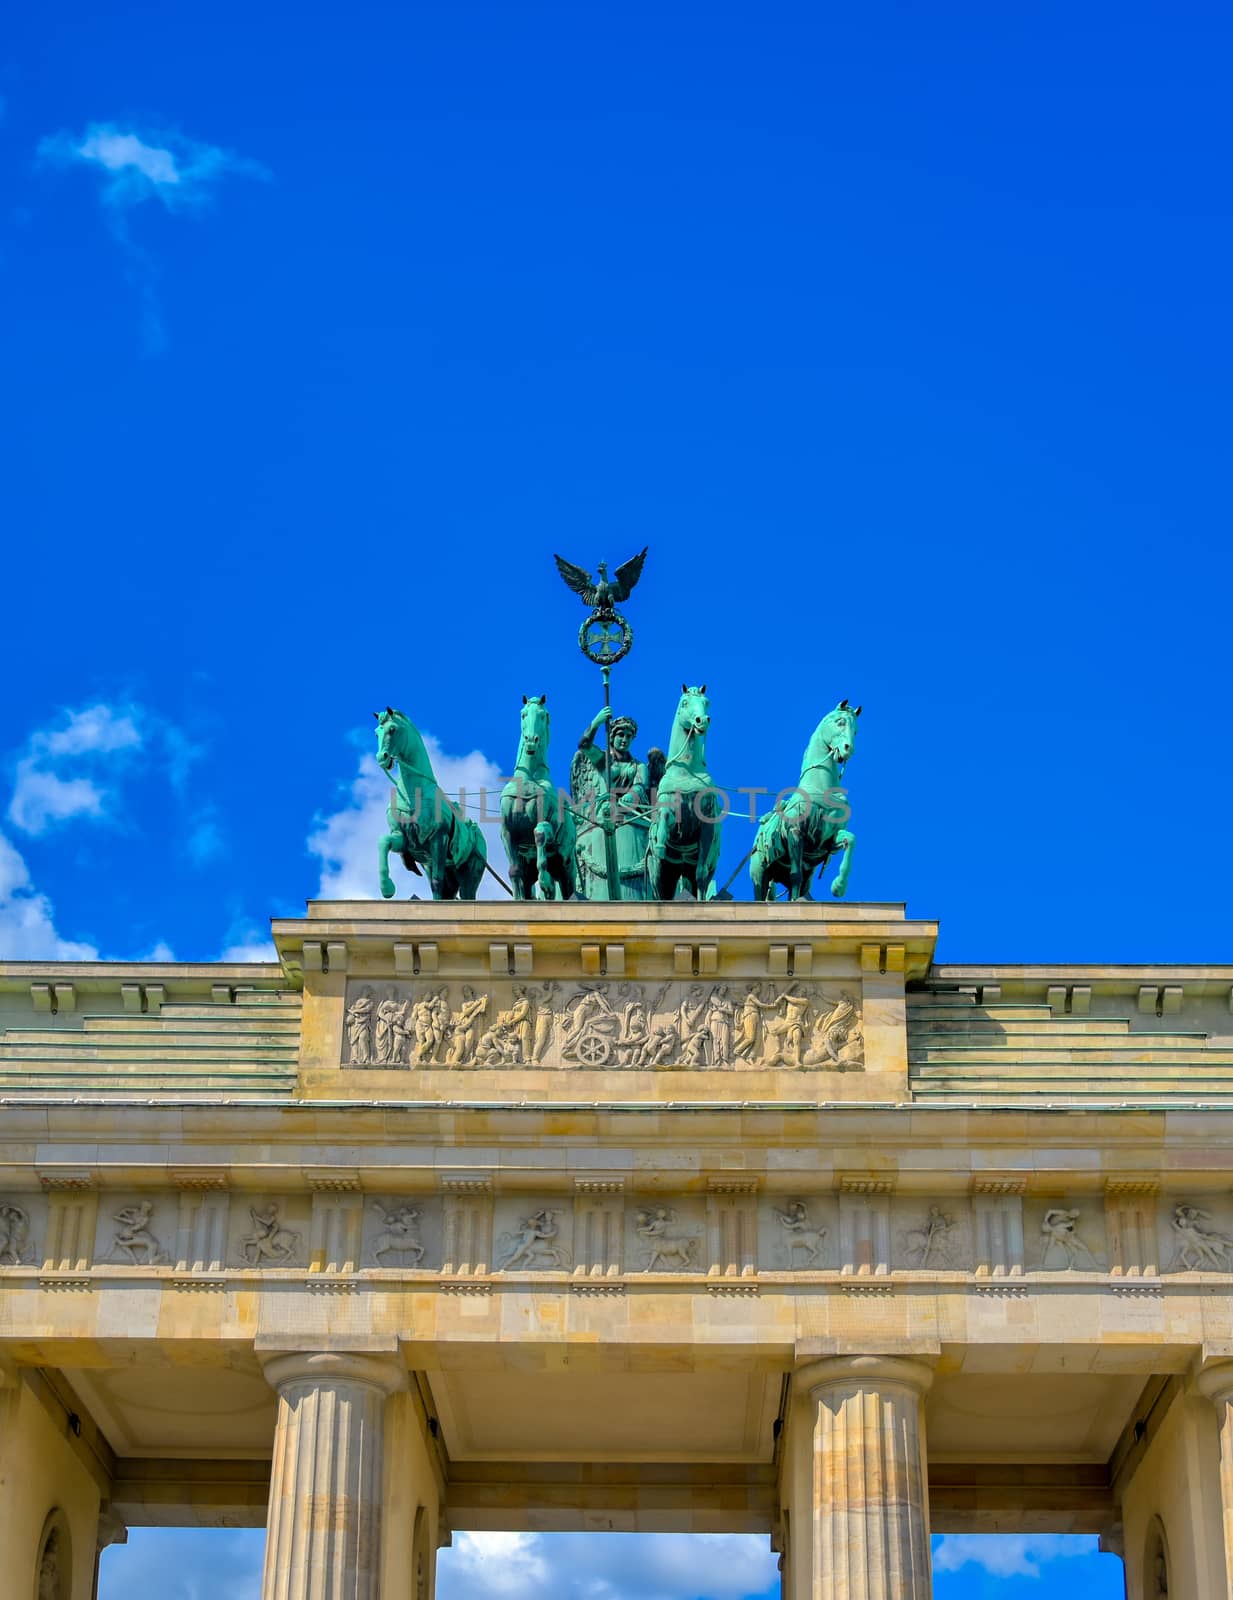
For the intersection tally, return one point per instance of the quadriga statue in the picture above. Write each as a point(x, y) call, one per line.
point(423, 826)
point(802, 833)
point(537, 830)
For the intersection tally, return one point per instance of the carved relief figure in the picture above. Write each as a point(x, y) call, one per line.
point(14, 1234)
point(544, 1024)
point(1060, 1239)
point(400, 1234)
point(836, 1040)
point(635, 1032)
point(800, 1233)
point(464, 1037)
point(134, 1236)
point(593, 1029)
point(720, 1018)
point(386, 1037)
point(932, 1240)
point(359, 1029)
point(750, 1025)
point(269, 1240)
point(696, 1043)
point(1198, 1247)
point(664, 1047)
point(666, 1246)
point(785, 1036)
point(532, 1244)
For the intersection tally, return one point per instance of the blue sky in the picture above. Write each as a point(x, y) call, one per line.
point(901, 335)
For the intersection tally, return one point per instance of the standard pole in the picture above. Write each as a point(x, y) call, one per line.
point(610, 850)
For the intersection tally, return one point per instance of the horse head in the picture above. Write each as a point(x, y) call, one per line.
point(533, 744)
point(399, 741)
point(389, 736)
point(837, 732)
point(693, 712)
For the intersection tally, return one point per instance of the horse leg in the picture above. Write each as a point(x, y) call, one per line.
point(794, 848)
point(513, 857)
point(843, 841)
point(386, 843)
point(545, 884)
point(708, 859)
point(657, 851)
point(438, 865)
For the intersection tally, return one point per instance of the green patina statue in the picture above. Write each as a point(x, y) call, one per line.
point(626, 805)
point(537, 831)
point(685, 828)
point(805, 830)
point(423, 826)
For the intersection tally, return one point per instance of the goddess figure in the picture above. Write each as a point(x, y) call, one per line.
point(628, 805)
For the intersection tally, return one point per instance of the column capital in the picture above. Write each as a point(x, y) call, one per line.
point(1215, 1380)
point(386, 1373)
point(866, 1372)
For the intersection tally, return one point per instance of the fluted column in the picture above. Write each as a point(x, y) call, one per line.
point(323, 1533)
point(869, 1511)
point(1216, 1382)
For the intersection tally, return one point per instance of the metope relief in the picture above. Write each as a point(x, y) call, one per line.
point(1198, 1245)
point(665, 1241)
point(535, 1242)
point(1066, 1238)
point(931, 1236)
point(402, 1231)
point(604, 1025)
point(270, 1233)
point(800, 1237)
point(15, 1248)
point(135, 1242)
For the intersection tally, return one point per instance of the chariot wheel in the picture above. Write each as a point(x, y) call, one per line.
point(594, 1049)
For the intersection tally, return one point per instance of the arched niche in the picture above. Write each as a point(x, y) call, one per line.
point(53, 1568)
point(1156, 1562)
point(421, 1557)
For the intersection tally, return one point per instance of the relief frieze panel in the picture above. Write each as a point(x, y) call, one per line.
point(604, 1025)
point(597, 1230)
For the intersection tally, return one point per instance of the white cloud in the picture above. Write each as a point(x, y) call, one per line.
point(162, 951)
point(345, 841)
point(613, 1566)
point(69, 770)
point(98, 730)
point(47, 788)
point(27, 918)
point(134, 166)
point(41, 798)
point(246, 942)
point(1009, 1555)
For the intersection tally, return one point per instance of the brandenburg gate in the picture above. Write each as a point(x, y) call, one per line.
point(655, 1210)
point(681, 1216)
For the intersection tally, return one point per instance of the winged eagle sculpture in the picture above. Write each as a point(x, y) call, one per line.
point(602, 594)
